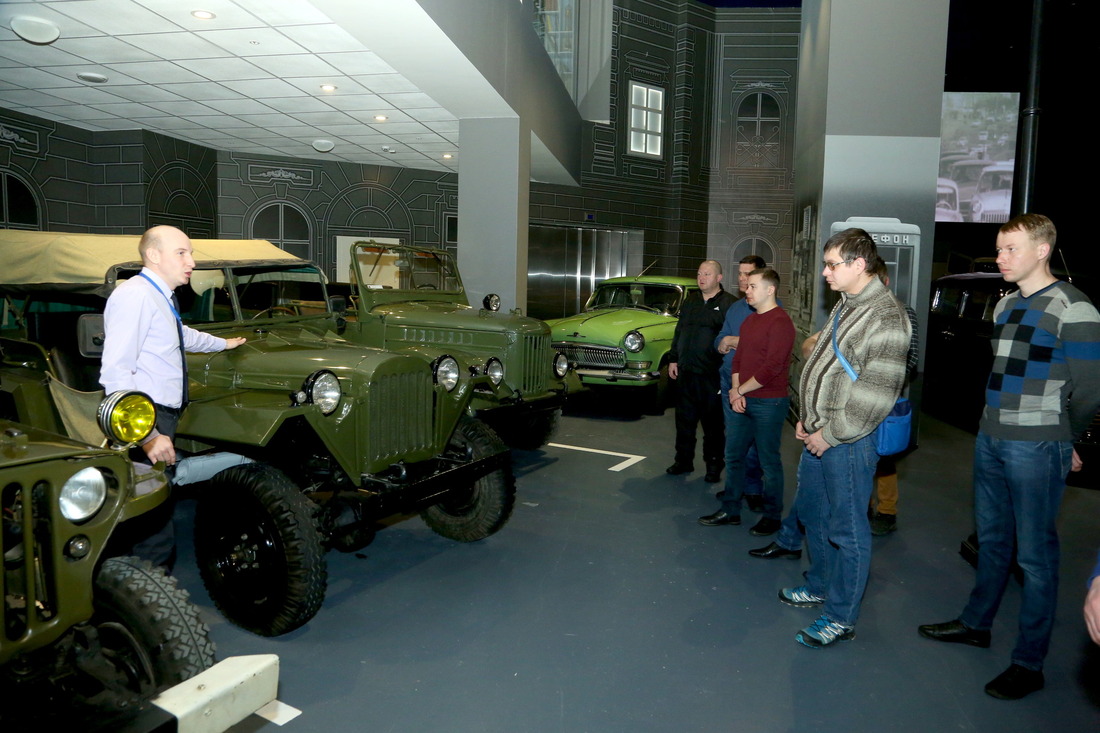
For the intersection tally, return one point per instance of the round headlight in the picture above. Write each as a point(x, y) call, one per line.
point(491, 302)
point(561, 365)
point(495, 370)
point(83, 494)
point(446, 372)
point(322, 388)
point(634, 342)
point(127, 416)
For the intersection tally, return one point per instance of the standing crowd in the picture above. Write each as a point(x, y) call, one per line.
point(1042, 393)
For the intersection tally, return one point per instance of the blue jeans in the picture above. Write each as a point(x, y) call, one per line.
point(754, 477)
point(1018, 487)
point(833, 491)
point(790, 535)
point(761, 423)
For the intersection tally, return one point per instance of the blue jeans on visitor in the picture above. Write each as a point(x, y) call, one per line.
point(761, 423)
point(1018, 487)
point(754, 476)
point(833, 491)
point(790, 535)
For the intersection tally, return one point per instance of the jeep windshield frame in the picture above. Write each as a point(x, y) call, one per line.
point(233, 293)
point(395, 272)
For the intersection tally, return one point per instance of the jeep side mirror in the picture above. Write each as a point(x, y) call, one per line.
point(90, 334)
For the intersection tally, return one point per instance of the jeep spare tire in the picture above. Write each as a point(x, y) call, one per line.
point(259, 551)
point(473, 512)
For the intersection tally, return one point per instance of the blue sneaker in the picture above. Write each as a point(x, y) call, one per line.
point(824, 632)
point(800, 597)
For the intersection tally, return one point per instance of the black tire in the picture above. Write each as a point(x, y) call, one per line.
point(259, 551)
point(530, 432)
point(149, 630)
point(474, 512)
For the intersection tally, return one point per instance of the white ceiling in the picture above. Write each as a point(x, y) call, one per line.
point(249, 80)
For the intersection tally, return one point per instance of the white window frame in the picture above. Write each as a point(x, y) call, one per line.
point(647, 120)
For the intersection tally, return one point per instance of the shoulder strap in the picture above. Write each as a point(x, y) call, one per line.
point(843, 362)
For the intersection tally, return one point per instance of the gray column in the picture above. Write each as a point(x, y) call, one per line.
point(494, 173)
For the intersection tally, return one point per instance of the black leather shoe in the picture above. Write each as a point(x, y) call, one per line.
point(720, 518)
point(714, 474)
point(755, 502)
point(1015, 682)
point(765, 527)
point(955, 631)
point(678, 468)
point(774, 550)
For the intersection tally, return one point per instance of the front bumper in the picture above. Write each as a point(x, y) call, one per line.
point(617, 376)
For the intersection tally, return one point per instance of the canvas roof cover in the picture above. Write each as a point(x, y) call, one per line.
point(67, 261)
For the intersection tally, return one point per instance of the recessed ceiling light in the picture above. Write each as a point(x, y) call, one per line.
point(328, 87)
point(203, 14)
point(91, 77)
point(35, 30)
point(380, 118)
point(448, 156)
point(323, 146)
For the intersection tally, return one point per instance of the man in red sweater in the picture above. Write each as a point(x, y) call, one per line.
point(760, 402)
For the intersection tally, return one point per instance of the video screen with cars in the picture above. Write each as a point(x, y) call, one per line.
point(977, 156)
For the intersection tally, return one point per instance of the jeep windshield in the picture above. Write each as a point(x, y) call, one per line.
point(664, 299)
point(395, 268)
point(244, 293)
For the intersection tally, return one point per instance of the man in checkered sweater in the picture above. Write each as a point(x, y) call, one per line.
point(1042, 393)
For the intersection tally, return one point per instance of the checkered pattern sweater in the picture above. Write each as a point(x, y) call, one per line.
point(873, 334)
point(1045, 382)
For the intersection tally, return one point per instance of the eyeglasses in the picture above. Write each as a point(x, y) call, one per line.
point(834, 265)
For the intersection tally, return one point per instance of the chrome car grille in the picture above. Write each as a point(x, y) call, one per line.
point(998, 217)
point(401, 415)
point(607, 357)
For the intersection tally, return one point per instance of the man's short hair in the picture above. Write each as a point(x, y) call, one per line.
point(756, 261)
point(716, 263)
point(149, 240)
point(1038, 228)
point(855, 243)
point(768, 275)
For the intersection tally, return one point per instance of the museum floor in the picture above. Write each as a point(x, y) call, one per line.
point(604, 606)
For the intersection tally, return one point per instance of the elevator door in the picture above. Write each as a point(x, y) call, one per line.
point(565, 263)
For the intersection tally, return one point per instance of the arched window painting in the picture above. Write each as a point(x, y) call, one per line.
point(757, 131)
point(285, 227)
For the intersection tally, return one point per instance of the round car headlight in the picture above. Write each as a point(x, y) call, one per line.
point(446, 372)
point(83, 495)
point(561, 365)
point(491, 302)
point(322, 388)
point(127, 416)
point(495, 370)
point(634, 342)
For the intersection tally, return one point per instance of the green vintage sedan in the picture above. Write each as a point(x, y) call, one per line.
point(623, 336)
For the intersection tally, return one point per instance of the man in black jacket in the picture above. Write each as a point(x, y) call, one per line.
point(693, 363)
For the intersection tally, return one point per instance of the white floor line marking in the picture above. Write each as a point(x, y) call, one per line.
point(631, 459)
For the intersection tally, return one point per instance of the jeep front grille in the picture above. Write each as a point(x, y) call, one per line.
point(536, 363)
point(26, 580)
point(604, 357)
point(995, 217)
point(401, 409)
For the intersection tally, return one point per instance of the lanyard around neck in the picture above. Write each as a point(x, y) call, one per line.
point(170, 303)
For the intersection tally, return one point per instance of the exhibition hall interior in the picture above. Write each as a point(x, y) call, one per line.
point(428, 468)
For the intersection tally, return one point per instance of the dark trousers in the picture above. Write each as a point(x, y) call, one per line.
point(152, 536)
point(698, 402)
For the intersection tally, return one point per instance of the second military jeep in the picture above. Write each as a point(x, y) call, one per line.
point(362, 433)
point(406, 297)
point(85, 633)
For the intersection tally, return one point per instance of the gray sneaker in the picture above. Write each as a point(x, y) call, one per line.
point(824, 632)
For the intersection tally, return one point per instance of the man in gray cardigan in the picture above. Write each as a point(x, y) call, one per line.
point(870, 328)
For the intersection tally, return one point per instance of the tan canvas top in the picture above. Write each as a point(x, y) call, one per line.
point(58, 259)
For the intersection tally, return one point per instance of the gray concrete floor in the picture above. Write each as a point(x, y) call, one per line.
point(604, 606)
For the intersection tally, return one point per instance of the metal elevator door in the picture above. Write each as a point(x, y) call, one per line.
point(565, 263)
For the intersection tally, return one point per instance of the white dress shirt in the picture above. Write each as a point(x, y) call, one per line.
point(141, 345)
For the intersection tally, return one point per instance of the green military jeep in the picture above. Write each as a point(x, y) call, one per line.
point(405, 297)
point(83, 632)
point(362, 433)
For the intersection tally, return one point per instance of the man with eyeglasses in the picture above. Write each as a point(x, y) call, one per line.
point(839, 415)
